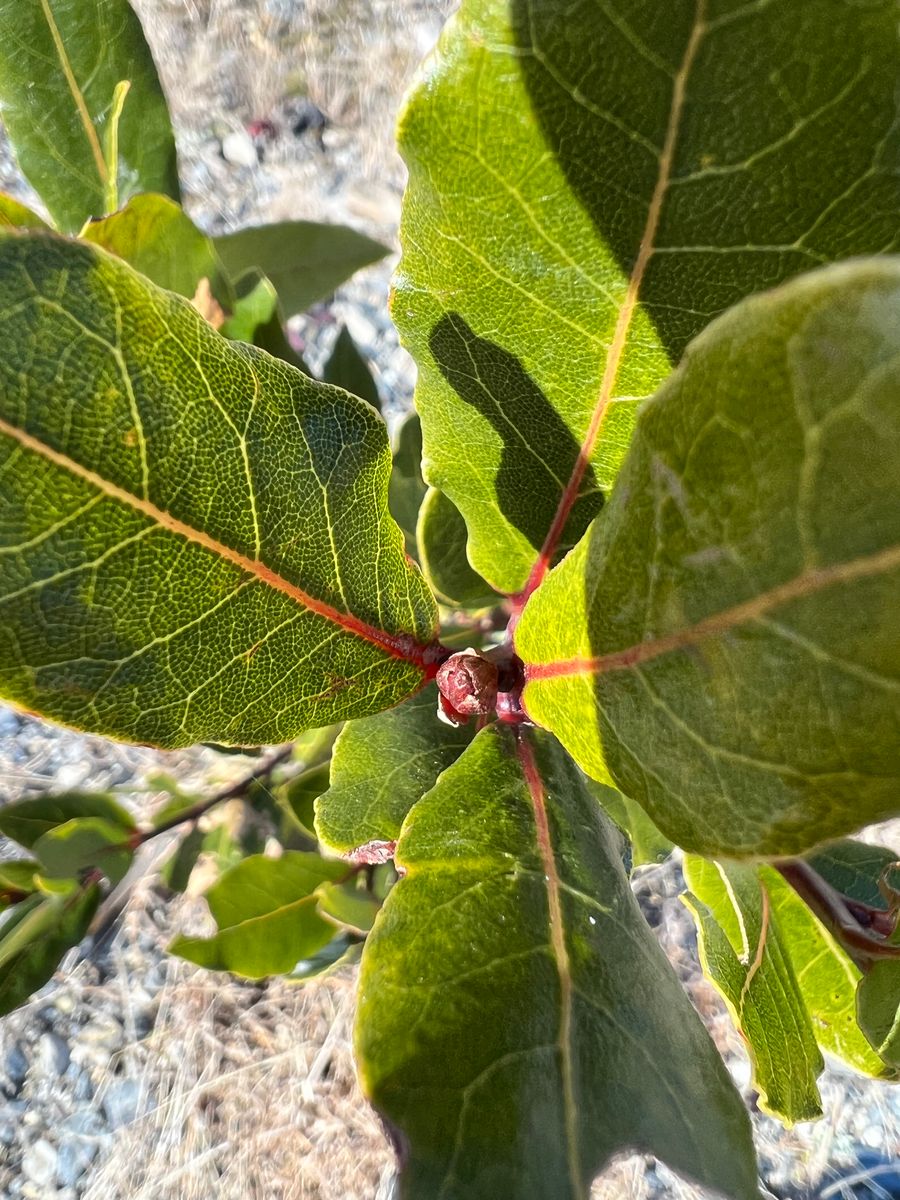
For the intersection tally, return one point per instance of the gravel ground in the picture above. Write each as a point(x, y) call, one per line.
point(134, 1075)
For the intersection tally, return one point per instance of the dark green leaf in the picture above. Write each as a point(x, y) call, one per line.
point(855, 869)
point(256, 318)
point(60, 62)
point(157, 237)
point(590, 184)
point(878, 1002)
point(16, 216)
point(340, 951)
point(381, 767)
point(67, 850)
point(648, 845)
point(266, 912)
point(348, 369)
point(407, 488)
point(349, 905)
point(442, 538)
point(196, 539)
point(27, 820)
point(730, 651)
point(301, 793)
point(35, 934)
point(517, 1020)
point(305, 261)
point(176, 873)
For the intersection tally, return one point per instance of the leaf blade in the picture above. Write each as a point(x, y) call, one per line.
point(284, 567)
point(60, 63)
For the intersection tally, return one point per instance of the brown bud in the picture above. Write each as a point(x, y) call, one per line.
point(468, 682)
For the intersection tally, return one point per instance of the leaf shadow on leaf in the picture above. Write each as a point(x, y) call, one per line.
point(537, 445)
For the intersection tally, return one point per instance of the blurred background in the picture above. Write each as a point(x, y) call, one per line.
point(135, 1075)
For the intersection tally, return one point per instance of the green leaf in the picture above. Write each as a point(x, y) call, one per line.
point(16, 216)
point(300, 795)
point(648, 845)
point(256, 318)
point(590, 184)
point(340, 951)
point(157, 237)
point(742, 953)
point(407, 487)
point(730, 652)
point(266, 912)
point(196, 540)
point(517, 1021)
point(16, 881)
point(60, 62)
point(35, 934)
point(855, 869)
point(787, 982)
point(305, 261)
point(381, 767)
point(28, 820)
point(177, 871)
point(441, 537)
point(349, 905)
point(878, 1001)
point(68, 849)
point(347, 368)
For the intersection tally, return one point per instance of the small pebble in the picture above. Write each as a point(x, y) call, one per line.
point(75, 1156)
point(72, 775)
point(238, 149)
point(39, 1163)
point(15, 1065)
point(122, 1102)
point(52, 1054)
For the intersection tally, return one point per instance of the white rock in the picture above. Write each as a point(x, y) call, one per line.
point(238, 149)
point(39, 1163)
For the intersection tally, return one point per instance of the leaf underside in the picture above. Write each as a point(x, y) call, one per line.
point(195, 539)
point(518, 1023)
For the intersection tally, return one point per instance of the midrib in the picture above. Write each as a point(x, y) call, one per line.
point(397, 645)
point(626, 311)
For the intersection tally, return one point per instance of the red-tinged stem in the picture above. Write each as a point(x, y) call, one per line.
point(535, 784)
point(841, 915)
point(626, 312)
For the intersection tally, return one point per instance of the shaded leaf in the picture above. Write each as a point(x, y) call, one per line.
point(742, 953)
point(517, 1021)
point(35, 934)
point(60, 62)
point(266, 912)
point(340, 951)
point(590, 184)
point(157, 237)
point(855, 869)
point(196, 542)
point(441, 537)
point(730, 656)
point(305, 261)
point(16, 216)
point(878, 1003)
point(381, 766)
point(300, 795)
point(347, 368)
point(407, 488)
point(28, 820)
point(67, 850)
point(177, 871)
point(349, 905)
point(648, 845)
